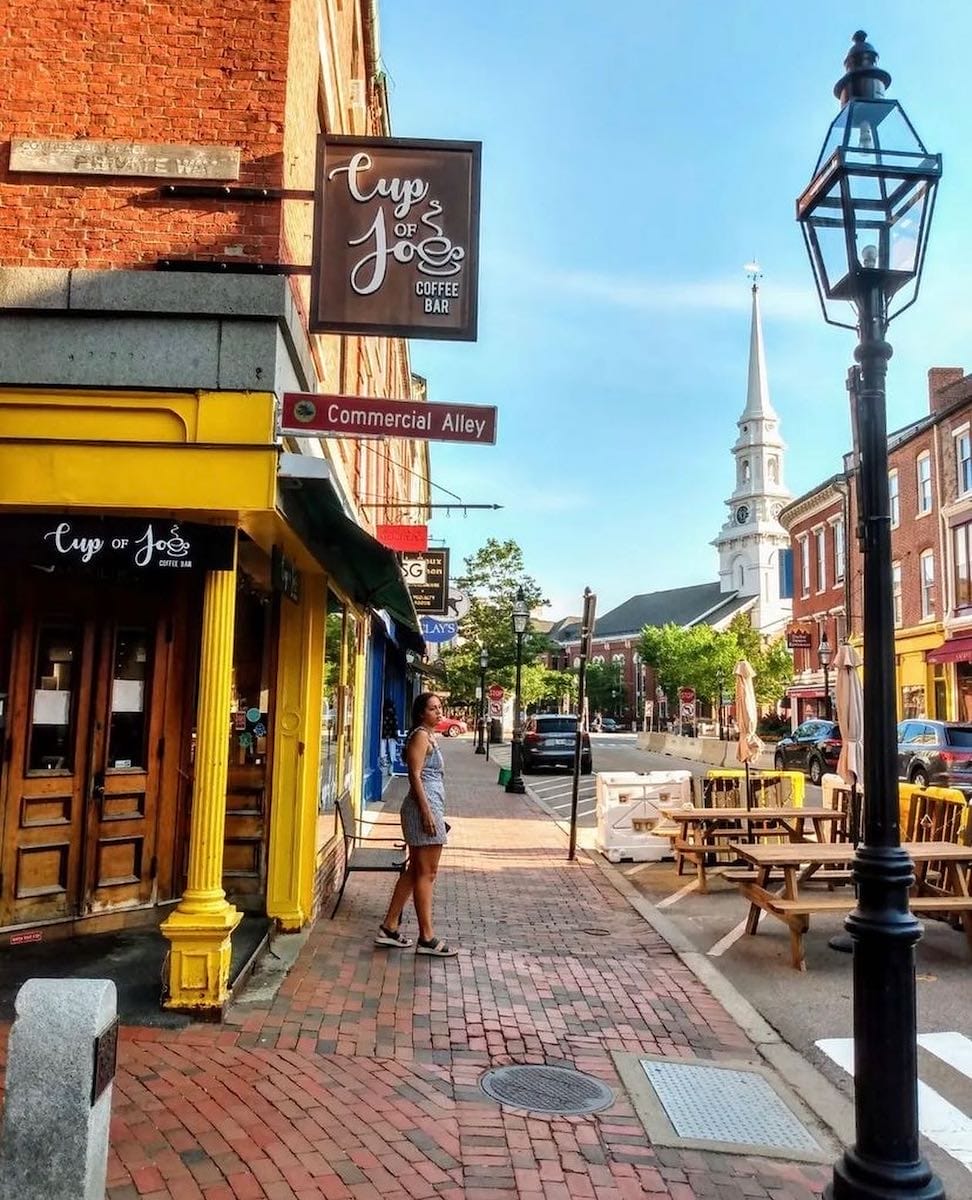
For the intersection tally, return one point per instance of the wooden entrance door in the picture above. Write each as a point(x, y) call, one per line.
point(85, 712)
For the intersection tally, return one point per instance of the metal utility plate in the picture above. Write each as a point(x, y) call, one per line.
point(733, 1107)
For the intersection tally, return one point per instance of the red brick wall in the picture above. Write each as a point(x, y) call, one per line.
point(182, 71)
point(818, 609)
point(915, 532)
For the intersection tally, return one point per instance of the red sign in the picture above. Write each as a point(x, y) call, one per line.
point(396, 238)
point(686, 695)
point(411, 538)
point(28, 935)
point(307, 413)
point(495, 692)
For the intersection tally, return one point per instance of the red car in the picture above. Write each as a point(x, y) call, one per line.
point(451, 727)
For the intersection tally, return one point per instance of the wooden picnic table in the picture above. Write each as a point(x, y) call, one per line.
point(942, 872)
point(709, 831)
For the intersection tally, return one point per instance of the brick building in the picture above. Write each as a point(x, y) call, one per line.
point(930, 488)
point(176, 740)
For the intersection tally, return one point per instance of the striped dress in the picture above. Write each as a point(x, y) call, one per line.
point(432, 776)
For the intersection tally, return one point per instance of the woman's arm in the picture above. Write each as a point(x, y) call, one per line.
point(415, 753)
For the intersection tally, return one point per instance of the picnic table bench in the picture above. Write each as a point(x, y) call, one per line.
point(708, 832)
point(941, 884)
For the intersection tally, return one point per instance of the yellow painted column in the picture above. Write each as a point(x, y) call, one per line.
point(199, 929)
point(296, 756)
point(359, 676)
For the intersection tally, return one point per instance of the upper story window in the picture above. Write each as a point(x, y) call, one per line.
point(820, 541)
point(804, 566)
point(926, 567)
point(923, 480)
point(962, 545)
point(839, 559)
point(896, 591)
point(773, 466)
point(744, 470)
point(894, 498)
point(963, 462)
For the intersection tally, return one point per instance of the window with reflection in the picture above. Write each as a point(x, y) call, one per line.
point(57, 662)
point(252, 666)
point(330, 704)
point(129, 685)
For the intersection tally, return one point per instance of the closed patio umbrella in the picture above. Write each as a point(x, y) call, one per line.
point(749, 745)
point(850, 718)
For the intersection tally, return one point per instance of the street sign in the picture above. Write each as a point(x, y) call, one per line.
point(496, 710)
point(436, 630)
point(495, 692)
point(427, 579)
point(459, 604)
point(410, 538)
point(686, 695)
point(688, 712)
point(309, 413)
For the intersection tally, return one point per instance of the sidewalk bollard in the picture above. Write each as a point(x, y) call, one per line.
point(60, 1066)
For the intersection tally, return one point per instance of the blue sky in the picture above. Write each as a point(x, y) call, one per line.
point(635, 156)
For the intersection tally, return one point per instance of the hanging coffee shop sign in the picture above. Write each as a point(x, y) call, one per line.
point(396, 237)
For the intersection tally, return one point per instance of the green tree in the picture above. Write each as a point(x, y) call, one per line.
point(605, 688)
point(493, 576)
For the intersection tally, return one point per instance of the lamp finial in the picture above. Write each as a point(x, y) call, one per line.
point(863, 78)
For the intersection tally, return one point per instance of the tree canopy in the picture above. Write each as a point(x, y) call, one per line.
point(704, 658)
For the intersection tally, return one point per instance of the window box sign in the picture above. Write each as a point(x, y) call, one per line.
point(139, 544)
point(799, 639)
point(396, 237)
point(427, 579)
point(410, 538)
point(309, 413)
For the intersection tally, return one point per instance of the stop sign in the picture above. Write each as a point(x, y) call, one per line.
point(686, 695)
point(495, 692)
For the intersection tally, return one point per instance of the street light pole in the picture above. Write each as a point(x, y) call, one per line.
point(825, 654)
point(865, 217)
point(483, 664)
point(521, 618)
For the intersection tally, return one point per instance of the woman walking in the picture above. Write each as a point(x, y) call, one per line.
point(424, 826)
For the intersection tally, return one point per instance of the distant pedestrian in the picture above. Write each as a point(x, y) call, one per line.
point(389, 731)
point(425, 829)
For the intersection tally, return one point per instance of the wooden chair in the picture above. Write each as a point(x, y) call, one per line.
point(362, 853)
point(936, 818)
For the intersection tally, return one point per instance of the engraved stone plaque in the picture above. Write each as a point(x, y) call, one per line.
point(152, 159)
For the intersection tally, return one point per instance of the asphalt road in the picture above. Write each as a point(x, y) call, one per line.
point(811, 1010)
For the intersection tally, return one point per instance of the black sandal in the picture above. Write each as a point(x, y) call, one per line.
point(437, 948)
point(392, 937)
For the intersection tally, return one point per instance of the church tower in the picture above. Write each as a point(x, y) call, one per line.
point(752, 541)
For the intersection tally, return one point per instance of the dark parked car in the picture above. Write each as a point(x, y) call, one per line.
point(549, 740)
point(936, 753)
point(813, 747)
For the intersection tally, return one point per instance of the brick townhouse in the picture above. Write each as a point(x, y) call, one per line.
point(930, 489)
point(198, 625)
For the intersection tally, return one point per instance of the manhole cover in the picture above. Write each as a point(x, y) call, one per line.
point(546, 1089)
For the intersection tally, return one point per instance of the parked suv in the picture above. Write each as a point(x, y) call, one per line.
point(813, 747)
point(938, 753)
point(549, 740)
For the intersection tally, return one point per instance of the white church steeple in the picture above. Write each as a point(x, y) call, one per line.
point(751, 540)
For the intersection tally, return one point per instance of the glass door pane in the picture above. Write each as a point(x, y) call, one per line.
point(131, 670)
point(51, 744)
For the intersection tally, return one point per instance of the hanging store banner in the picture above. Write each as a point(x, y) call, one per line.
point(427, 579)
point(434, 629)
point(799, 639)
point(309, 413)
point(139, 544)
point(409, 538)
point(396, 237)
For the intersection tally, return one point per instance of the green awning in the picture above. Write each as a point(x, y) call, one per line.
point(368, 571)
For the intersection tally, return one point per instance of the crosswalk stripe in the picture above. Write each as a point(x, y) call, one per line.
point(691, 886)
point(938, 1120)
point(953, 1048)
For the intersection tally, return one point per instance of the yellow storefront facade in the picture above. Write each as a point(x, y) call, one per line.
point(183, 643)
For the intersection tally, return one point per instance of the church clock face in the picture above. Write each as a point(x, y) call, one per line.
point(742, 514)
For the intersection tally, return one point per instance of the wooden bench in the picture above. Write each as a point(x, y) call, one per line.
point(363, 853)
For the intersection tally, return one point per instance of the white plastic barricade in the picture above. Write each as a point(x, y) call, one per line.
point(827, 784)
point(630, 824)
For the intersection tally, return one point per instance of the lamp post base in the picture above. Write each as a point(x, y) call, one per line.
point(857, 1179)
point(515, 786)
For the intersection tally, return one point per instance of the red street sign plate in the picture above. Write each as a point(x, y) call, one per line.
point(686, 695)
point(495, 692)
point(411, 538)
point(308, 413)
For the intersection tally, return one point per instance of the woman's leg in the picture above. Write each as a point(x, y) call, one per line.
point(404, 887)
point(425, 863)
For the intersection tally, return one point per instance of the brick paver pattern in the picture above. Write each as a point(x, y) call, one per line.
point(361, 1079)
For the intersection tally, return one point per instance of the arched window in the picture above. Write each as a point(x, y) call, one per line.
point(576, 662)
point(598, 658)
point(740, 574)
point(744, 470)
point(774, 469)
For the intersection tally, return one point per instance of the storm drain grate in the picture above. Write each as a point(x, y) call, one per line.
point(718, 1104)
point(546, 1089)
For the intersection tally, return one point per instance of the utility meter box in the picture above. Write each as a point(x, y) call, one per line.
point(630, 823)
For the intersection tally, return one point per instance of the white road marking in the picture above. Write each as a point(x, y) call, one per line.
point(952, 1048)
point(689, 887)
point(939, 1121)
point(733, 936)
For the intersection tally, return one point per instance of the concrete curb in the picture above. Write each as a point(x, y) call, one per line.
point(825, 1101)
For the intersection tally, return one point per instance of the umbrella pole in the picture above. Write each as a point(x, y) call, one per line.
point(749, 798)
point(843, 942)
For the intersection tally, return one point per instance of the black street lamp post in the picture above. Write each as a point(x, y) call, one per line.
point(865, 217)
point(825, 653)
point(521, 618)
point(483, 664)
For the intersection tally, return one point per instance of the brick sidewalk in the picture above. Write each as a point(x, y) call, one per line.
point(360, 1080)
